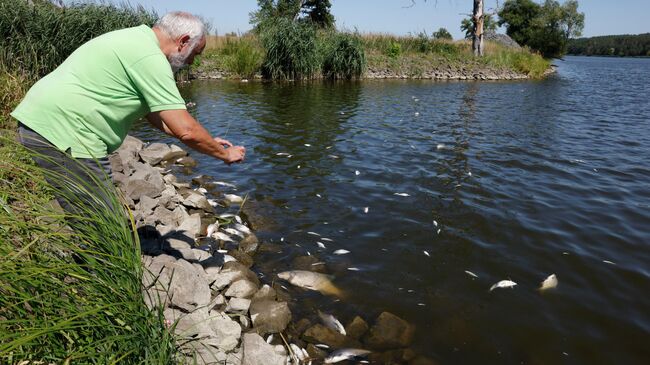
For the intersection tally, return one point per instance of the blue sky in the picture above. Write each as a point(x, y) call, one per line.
point(602, 17)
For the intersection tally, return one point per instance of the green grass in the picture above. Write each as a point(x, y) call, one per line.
point(54, 308)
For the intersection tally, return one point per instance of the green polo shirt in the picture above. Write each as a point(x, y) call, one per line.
point(90, 101)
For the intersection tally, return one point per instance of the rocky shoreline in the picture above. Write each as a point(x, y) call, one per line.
point(197, 270)
point(438, 74)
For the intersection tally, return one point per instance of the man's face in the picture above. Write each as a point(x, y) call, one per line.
point(185, 56)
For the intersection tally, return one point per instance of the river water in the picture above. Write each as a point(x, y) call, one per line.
point(507, 180)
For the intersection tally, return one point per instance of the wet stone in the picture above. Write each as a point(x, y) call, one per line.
point(389, 332)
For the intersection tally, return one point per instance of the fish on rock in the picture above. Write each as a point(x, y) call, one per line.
point(331, 322)
point(311, 280)
point(243, 229)
point(549, 283)
point(212, 228)
point(503, 284)
point(345, 354)
point(222, 236)
point(234, 232)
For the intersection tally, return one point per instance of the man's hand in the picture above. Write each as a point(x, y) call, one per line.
point(223, 142)
point(234, 154)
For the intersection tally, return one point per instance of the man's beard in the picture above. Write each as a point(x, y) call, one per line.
point(178, 61)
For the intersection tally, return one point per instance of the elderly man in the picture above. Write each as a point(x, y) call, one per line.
point(83, 110)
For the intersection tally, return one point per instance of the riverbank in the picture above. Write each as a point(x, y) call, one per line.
point(198, 252)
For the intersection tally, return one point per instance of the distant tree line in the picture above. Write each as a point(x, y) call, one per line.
point(611, 45)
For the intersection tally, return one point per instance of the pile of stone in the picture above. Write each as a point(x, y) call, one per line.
point(204, 285)
point(197, 270)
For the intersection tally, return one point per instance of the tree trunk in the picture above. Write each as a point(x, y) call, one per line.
point(477, 19)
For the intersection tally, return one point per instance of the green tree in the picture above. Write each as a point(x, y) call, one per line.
point(467, 26)
point(545, 28)
point(318, 12)
point(442, 33)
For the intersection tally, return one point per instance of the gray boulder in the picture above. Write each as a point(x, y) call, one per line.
point(238, 305)
point(269, 316)
point(187, 289)
point(249, 244)
point(258, 352)
point(241, 289)
point(154, 153)
point(227, 331)
point(191, 226)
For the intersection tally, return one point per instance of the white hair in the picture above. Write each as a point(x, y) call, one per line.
point(179, 23)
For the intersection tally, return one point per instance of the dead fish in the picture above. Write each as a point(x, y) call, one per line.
point(322, 346)
point(327, 239)
point(471, 274)
point(609, 262)
point(297, 351)
point(226, 215)
point(435, 223)
point(233, 199)
point(213, 203)
point(549, 283)
point(341, 252)
point(402, 194)
point(426, 253)
point(228, 185)
point(228, 258)
point(282, 154)
point(311, 280)
point(356, 172)
point(242, 228)
point(233, 231)
point(345, 354)
point(269, 339)
point(313, 234)
point(331, 322)
point(333, 156)
point(440, 146)
point(503, 284)
point(201, 190)
point(238, 219)
point(320, 244)
point(307, 145)
point(365, 210)
point(212, 228)
point(222, 236)
point(354, 269)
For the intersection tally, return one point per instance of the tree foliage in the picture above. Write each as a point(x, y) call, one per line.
point(316, 12)
point(442, 33)
point(545, 28)
point(467, 25)
point(611, 45)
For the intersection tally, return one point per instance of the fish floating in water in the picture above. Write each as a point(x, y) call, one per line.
point(313, 234)
point(356, 172)
point(233, 199)
point(341, 252)
point(471, 274)
point(503, 284)
point(402, 194)
point(311, 280)
point(426, 253)
point(331, 322)
point(320, 244)
point(345, 354)
point(228, 185)
point(549, 283)
point(365, 210)
point(242, 228)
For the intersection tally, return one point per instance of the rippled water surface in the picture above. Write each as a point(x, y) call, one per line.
point(507, 180)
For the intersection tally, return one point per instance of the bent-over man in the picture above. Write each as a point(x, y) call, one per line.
point(84, 108)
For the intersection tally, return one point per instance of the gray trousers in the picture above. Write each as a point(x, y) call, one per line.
point(66, 174)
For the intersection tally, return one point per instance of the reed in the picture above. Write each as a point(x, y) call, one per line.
point(70, 283)
point(343, 56)
point(291, 50)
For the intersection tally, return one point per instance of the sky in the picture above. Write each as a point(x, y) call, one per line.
point(401, 17)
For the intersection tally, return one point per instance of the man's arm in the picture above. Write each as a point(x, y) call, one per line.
point(180, 124)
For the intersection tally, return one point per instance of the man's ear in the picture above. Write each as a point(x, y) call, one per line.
point(183, 41)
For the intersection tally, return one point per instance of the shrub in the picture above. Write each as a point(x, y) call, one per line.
point(291, 51)
point(343, 56)
point(394, 49)
point(243, 57)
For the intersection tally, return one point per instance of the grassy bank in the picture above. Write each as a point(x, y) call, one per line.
point(70, 285)
point(244, 56)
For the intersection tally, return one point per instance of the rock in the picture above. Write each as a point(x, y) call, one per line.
point(186, 254)
point(242, 257)
point(232, 199)
point(134, 189)
point(269, 316)
point(241, 289)
point(147, 204)
point(116, 162)
point(249, 244)
point(258, 352)
point(321, 334)
point(174, 153)
point(154, 153)
point(315, 352)
point(400, 356)
point(265, 293)
point(167, 197)
point(201, 255)
point(164, 216)
point(187, 289)
point(223, 279)
point(421, 360)
point(180, 214)
point(191, 226)
point(245, 272)
point(176, 242)
point(357, 328)
point(128, 151)
point(186, 161)
point(190, 325)
point(389, 332)
point(238, 305)
point(196, 200)
point(227, 332)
